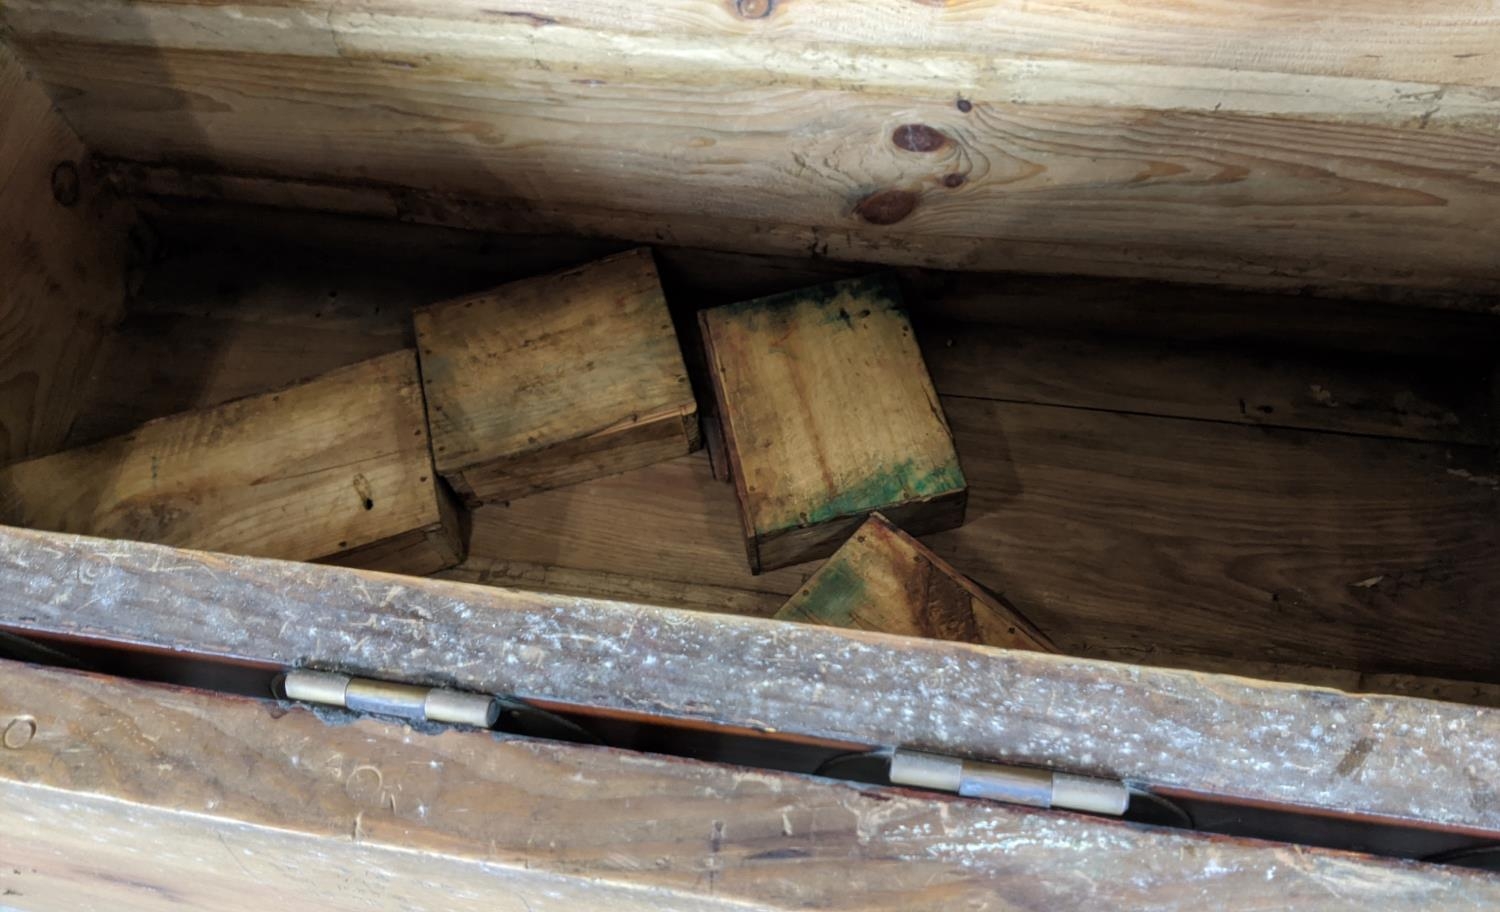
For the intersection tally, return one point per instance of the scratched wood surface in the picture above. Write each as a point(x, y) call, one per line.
point(248, 802)
point(337, 468)
point(1334, 150)
point(63, 253)
point(556, 379)
point(884, 580)
point(1391, 758)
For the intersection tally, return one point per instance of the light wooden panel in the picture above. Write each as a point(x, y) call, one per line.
point(1370, 757)
point(338, 468)
point(1209, 147)
point(62, 267)
point(136, 797)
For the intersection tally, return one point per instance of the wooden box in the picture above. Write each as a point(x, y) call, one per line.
point(1211, 309)
point(336, 469)
point(828, 415)
point(884, 580)
point(555, 380)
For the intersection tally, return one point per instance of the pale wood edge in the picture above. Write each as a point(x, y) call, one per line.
point(736, 471)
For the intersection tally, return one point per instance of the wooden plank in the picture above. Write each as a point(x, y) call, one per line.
point(667, 593)
point(63, 267)
point(1131, 537)
point(1389, 758)
point(281, 807)
point(1251, 166)
point(828, 414)
point(554, 380)
point(1321, 391)
point(884, 580)
point(334, 469)
point(619, 525)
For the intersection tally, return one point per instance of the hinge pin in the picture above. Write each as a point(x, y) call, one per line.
point(405, 701)
point(1013, 784)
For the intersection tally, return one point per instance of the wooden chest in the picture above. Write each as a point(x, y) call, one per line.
point(1198, 322)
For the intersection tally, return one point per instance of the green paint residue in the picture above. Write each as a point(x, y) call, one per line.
point(833, 595)
point(897, 484)
point(875, 292)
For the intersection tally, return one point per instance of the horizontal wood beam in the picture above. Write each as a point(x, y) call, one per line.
point(144, 797)
point(1100, 139)
point(1391, 758)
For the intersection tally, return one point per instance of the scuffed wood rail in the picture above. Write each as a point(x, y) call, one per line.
point(1389, 758)
point(146, 797)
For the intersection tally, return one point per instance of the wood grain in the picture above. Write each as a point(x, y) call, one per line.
point(672, 522)
point(1241, 740)
point(62, 267)
point(1126, 537)
point(884, 580)
point(554, 380)
point(828, 414)
point(247, 802)
point(668, 593)
point(1323, 391)
point(1224, 152)
point(337, 468)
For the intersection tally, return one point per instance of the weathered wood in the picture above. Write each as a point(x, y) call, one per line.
point(335, 469)
point(828, 415)
point(142, 797)
point(884, 580)
point(1196, 147)
point(63, 252)
point(1378, 757)
point(554, 380)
